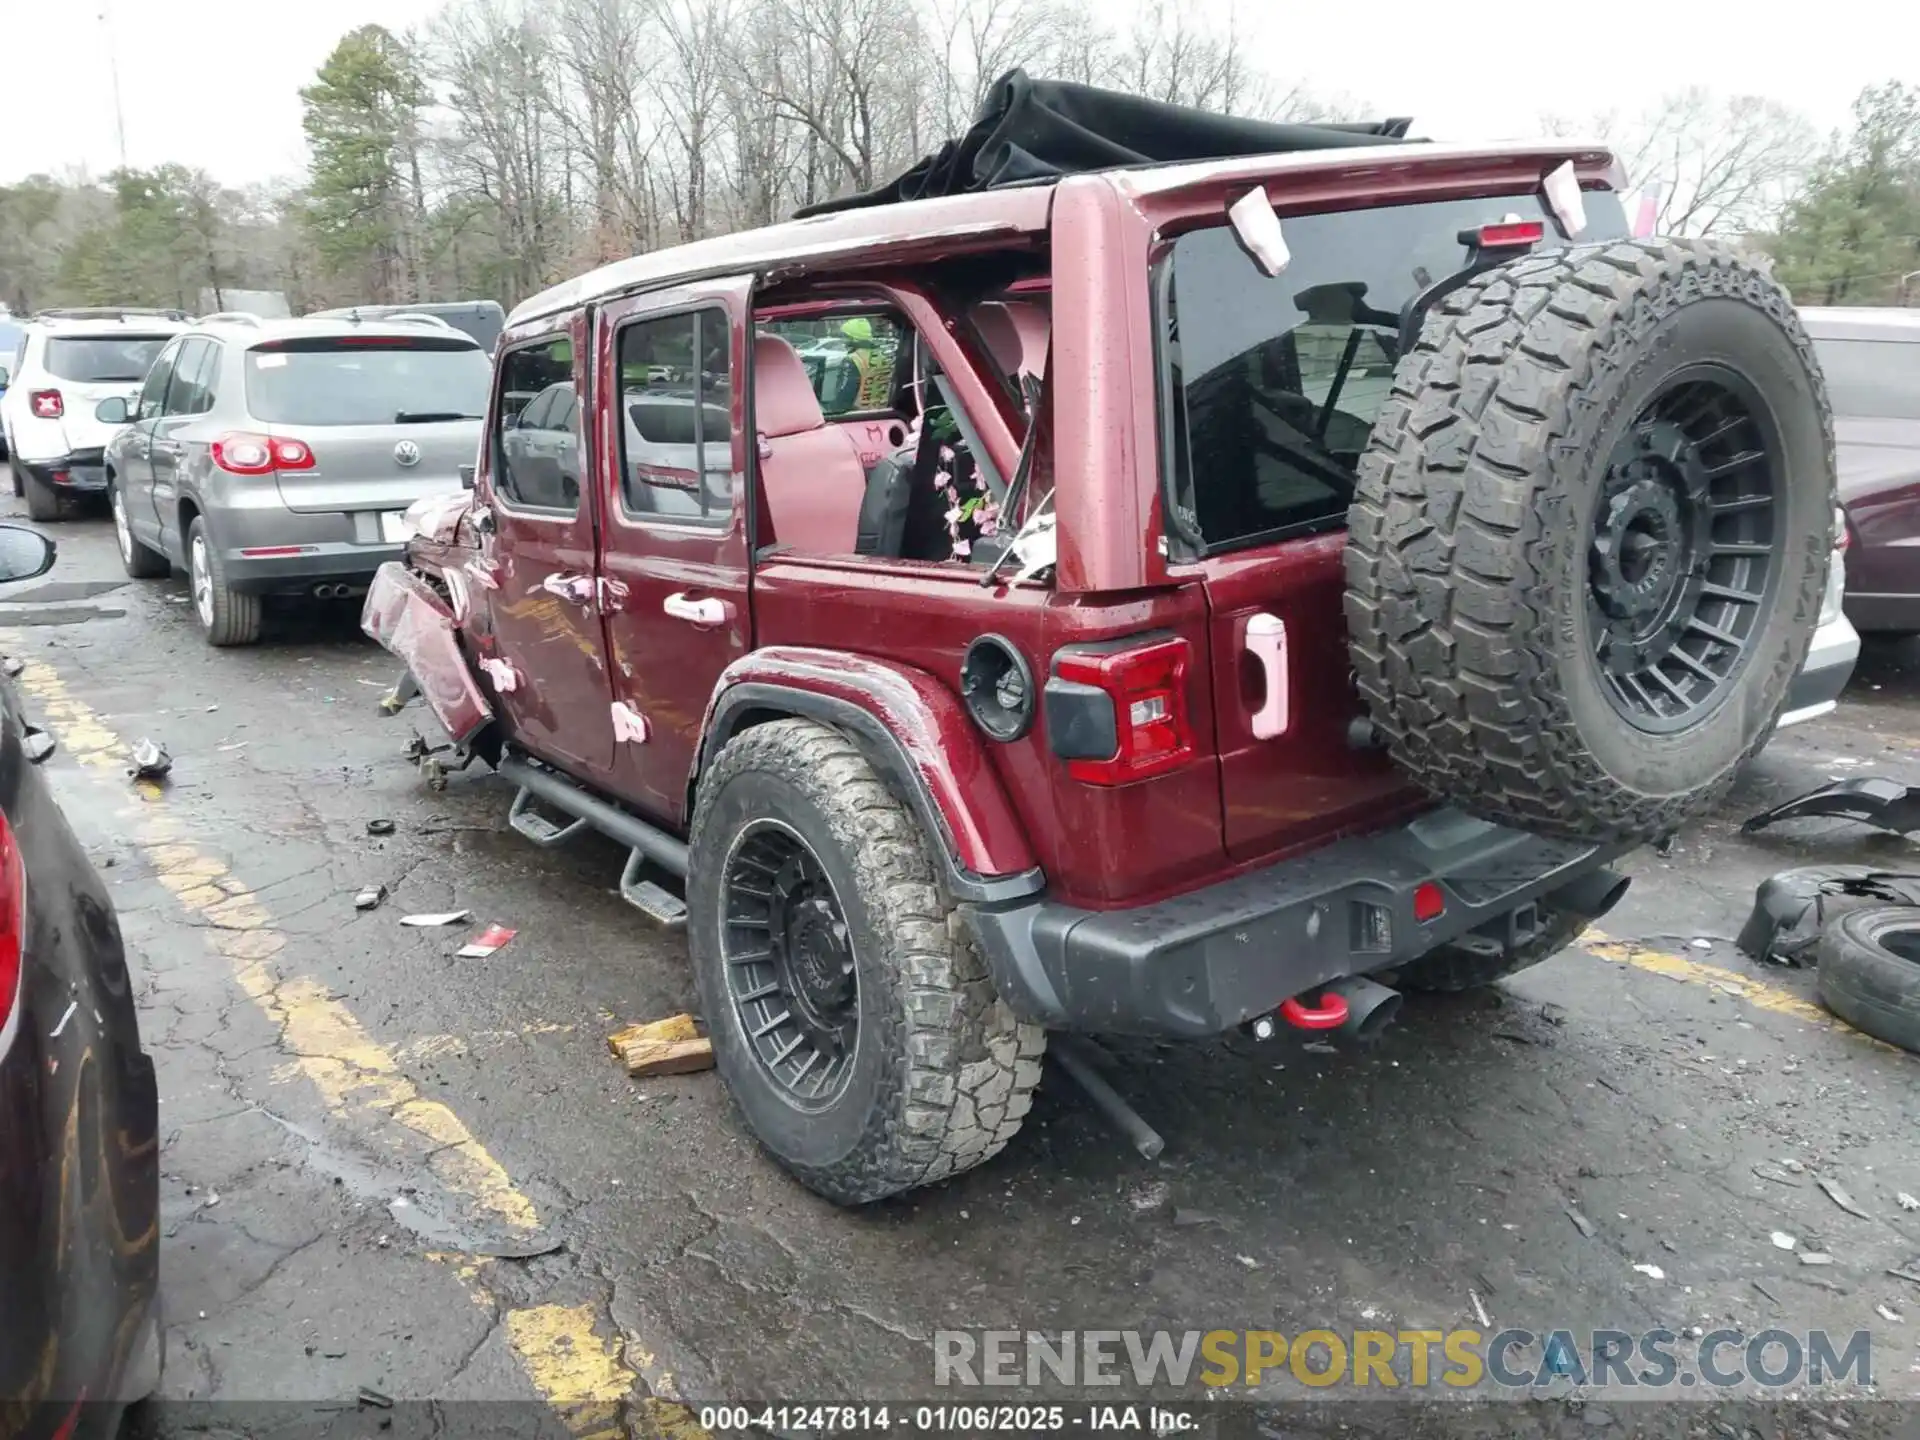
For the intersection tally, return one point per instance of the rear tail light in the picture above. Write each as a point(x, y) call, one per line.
point(46, 404)
point(1507, 235)
point(1121, 715)
point(240, 452)
point(13, 920)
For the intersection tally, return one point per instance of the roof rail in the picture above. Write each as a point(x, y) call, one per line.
point(229, 317)
point(110, 312)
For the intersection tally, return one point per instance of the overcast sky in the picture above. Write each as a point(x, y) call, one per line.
point(214, 83)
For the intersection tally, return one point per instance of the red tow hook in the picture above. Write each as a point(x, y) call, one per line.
point(1329, 1014)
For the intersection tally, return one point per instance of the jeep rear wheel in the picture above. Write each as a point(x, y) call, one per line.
point(852, 1019)
point(1589, 537)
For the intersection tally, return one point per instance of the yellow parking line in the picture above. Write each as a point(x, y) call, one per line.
point(581, 1375)
point(1756, 993)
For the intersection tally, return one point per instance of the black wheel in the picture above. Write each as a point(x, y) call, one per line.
point(1590, 537)
point(139, 561)
point(44, 503)
point(852, 1019)
point(19, 476)
point(226, 616)
point(1453, 968)
point(1870, 972)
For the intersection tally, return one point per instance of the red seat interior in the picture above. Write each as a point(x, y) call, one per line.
point(810, 471)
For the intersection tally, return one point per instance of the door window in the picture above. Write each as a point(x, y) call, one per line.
point(850, 359)
point(536, 439)
point(188, 394)
point(676, 432)
point(153, 394)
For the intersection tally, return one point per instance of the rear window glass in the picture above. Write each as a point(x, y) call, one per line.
point(367, 381)
point(1872, 379)
point(102, 359)
point(1272, 384)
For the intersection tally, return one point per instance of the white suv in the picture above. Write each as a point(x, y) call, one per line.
point(72, 360)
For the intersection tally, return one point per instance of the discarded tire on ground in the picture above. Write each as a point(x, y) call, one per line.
point(1589, 536)
point(852, 1019)
point(1870, 972)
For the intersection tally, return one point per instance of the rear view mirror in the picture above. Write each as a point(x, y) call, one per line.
point(466, 477)
point(1257, 228)
point(112, 411)
point(24, 553)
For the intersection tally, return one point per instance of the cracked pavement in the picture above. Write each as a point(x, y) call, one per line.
point(313, 1246)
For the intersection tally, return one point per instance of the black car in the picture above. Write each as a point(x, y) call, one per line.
point(79, 1119)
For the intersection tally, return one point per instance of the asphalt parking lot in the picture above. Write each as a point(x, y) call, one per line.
point(391, 1168)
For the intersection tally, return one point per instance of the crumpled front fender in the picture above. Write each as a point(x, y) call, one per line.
point(405, 614)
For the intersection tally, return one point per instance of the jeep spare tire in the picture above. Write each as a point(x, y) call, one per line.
point(1589, 537)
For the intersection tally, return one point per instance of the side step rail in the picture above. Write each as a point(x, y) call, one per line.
point(651, 899)
point(646, 844)
point(537, 827)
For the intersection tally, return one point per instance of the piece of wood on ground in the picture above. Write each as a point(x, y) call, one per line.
point(668, 1057)
point(674, 1027)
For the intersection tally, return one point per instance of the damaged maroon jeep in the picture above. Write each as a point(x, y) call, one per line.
point(1226, 586)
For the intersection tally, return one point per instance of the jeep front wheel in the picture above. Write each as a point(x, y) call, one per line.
point(852, 1019)
point(1590, 536)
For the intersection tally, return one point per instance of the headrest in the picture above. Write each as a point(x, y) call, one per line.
point(1016, 335)
point(783, 398)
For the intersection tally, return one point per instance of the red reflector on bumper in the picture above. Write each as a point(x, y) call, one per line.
point(1429, 902)
point(263, 552)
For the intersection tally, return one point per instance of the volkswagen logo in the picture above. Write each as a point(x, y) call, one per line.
point(407, 453)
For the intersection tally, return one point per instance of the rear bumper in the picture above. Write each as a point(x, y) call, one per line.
point(1883, 614)
point(326, 546)
point(1206, 961)
point(1816, 689)
point(78, 472)
point(331, 561)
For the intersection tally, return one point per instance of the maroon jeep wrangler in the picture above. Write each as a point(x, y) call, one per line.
point(1145, 598)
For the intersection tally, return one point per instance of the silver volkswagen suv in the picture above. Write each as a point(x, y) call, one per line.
point(277, 457)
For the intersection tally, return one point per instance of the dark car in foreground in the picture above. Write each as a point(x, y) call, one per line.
point(79, 1118)
point(1872, 363)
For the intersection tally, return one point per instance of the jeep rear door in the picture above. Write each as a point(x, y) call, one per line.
point(671, 424)
point(1270, 389)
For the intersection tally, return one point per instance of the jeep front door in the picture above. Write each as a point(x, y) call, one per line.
point(552, 688)
point(670, 417)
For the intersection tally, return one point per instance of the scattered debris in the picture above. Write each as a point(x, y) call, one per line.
point(1783, 1241)
point(1580, 1222)
point(65, 1016)
point(1764, 1291)
point(488, 941)
point(37, 744)
point(1871, 799)
point(1319, 1047)
point(1791, 907)
point(379, 827)
point(1907, 1202)
point(1248, 1261)
point(370, 898)
point(1815, 1257)
point(150, 761)
point(1839, 1196)
point(673, 1046)
point(1778, 1177)
point(1190, 1219)
point(1652, 1272)
point(1794, 1165)
point(444, 917)
point(14, 666)
point(213, 1199)
point(1150, 1196)
point(369, 1396)
point(1480, 1310)
point(1887, 1312)
point(1908, 1274)
point(1699, 944)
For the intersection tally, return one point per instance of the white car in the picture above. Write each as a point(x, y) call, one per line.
point(70, 361)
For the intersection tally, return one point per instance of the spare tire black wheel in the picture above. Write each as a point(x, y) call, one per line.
point(1589, 537)
point(1870, 972)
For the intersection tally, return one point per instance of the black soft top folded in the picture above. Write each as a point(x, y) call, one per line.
point(1030, 130)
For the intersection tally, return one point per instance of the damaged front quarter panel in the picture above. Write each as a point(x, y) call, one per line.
point(408, 618)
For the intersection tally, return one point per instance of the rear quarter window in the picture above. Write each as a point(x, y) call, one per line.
point(370, 380)
point(1270, 385)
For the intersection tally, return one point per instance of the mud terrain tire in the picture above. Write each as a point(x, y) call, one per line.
point(1529, 431)
point(1453, 968)
point(942, 1073)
